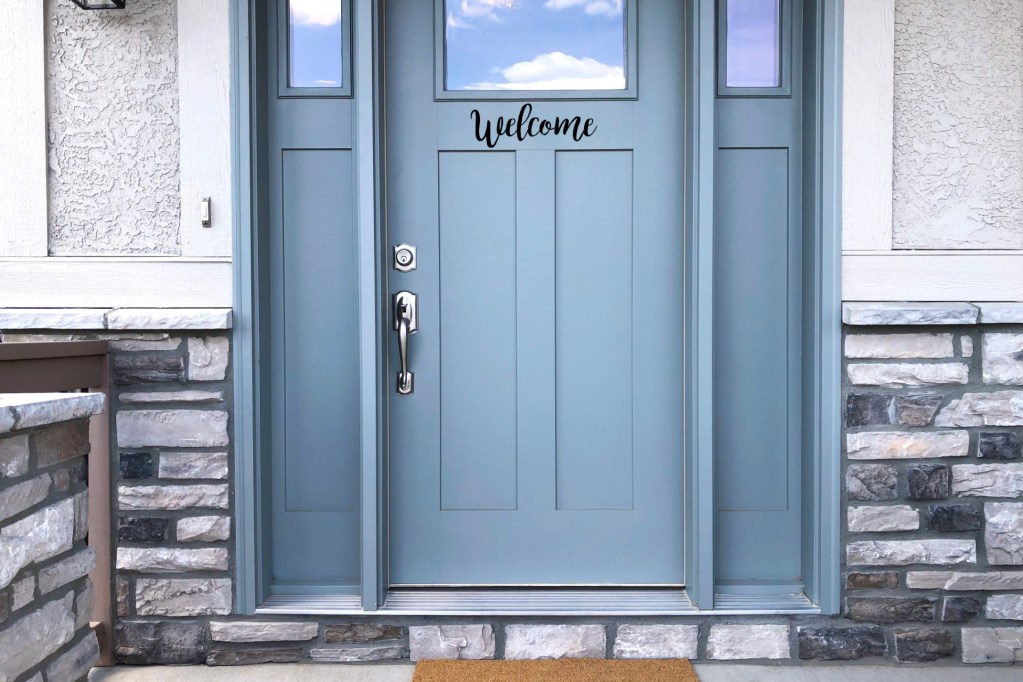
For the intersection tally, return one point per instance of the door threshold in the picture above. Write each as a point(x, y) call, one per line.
point(537, 602)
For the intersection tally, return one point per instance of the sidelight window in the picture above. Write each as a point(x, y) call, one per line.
point(314, 48)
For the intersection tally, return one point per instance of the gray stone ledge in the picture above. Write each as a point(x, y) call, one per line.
point(195, 319)
point(29, 410)
point(898, 313)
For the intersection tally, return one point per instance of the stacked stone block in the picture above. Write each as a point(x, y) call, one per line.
point(45, 594)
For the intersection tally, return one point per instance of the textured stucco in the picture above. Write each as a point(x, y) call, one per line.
point(958, 124)
point(112, 115)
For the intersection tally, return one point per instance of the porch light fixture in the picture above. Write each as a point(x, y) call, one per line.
point(100, 4)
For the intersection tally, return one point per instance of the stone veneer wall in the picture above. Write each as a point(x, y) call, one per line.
point(933, 522)
point(45, 594)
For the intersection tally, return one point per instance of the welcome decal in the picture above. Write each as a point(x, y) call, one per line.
point(526, 125)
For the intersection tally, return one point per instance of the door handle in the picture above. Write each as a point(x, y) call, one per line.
point(406, 321)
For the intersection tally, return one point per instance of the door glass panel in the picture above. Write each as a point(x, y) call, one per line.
point(315, 44)
point(753, 44)
point(535, 45)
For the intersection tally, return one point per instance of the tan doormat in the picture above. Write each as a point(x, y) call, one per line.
point(563, 670)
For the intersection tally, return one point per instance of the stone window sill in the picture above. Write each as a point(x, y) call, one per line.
point(136, 319)
point(909, 314)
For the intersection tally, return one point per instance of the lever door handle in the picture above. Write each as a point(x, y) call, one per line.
point(406, 321)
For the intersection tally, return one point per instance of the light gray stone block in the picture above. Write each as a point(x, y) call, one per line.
point(135, 345)
point(898, 346)
point(172, 428)
point(999, 408)
point(32, 639)
point(23, 592)
point(469, 642)
point(83, 606)
point(965, 581)
point(192, 465)
point(76, 566)
point(14, 456)
point(24, 495)
point(882, 519)
point(172, 319)
point(252, 631)
point(171, 497)
point(524, 642)
point(41, 409)
point(988, 480)
point(148, 397)
point(743, 642)
point(1003, 533)
point(899, 375)
point(360, 654)
point(207, 358)
point(168, 560)
point(1005, 607)
point(182, 597)
point(966, 343)
point(1001, 313)
point(52, 318)
point(43, 535)
point(907, 444)
point(881, 314)
point(76, 662)
point(204, 529)
point(1002, 359)
point(81, 501)
point(656, 641)
point(905, 552)
point(992, 645)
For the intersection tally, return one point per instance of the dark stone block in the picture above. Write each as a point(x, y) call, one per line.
point(58, 443)
point(841, 644)
point(928, 482)
point(80, 470)
point(888, 580)
point(360, 633)
point(917, 410)
point(890, 610)
point(867, 409)
point(949, 518)
point(923, 645)
point(141, 531)
point(252, 656)
point(5, 606)
point(148, 369)
point(160, 642)
point(872, 482)
point(136, 465)
point(960, 609)
point(998, 446)
point(62, 480)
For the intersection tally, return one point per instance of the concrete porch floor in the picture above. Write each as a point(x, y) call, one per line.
point(707, 672)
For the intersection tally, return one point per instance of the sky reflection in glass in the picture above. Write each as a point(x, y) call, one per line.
point(753, 44)
point(316, 44)
point(535, 45)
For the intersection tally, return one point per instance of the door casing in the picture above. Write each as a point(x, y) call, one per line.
point(822, 72)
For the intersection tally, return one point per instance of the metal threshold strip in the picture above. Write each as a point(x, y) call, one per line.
point(537, 602)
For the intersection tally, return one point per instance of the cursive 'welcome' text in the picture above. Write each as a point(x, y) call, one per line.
point(526, 125)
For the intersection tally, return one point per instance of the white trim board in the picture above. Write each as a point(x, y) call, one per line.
point(115, 283)
point(932, 276)
point(868, 124)
point(204, 51)
point(23, 212)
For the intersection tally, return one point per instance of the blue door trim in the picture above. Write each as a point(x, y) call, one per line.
point(821, 524)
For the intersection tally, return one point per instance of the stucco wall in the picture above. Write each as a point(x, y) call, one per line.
point(958, 124)
point(112, 116)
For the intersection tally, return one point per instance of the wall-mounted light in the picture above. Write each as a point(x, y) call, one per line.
point(100, 4)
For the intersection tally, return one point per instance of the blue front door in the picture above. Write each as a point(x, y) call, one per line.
point(538, 172)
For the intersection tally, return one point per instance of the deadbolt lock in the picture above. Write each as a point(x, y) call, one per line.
point(404, 258)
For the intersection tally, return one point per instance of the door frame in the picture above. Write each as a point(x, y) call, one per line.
point(821, 560)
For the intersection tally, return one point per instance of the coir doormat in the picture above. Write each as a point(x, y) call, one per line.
point(563, 670)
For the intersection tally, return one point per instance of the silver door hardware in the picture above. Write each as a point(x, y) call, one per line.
point(404, 258)
point(406, 321)
point(206, 212)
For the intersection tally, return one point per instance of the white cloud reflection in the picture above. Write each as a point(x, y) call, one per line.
point(557, 71)
point(611, 8)
point(315, 12)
